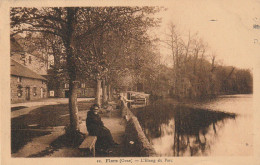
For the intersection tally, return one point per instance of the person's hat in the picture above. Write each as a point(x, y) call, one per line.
point(94, 107)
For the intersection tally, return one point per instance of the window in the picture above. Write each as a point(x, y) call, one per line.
point(34, 91)
point(66, 85)
point(22, 58)
point(19, 91)
point(30, 59)
point(83, 93)
point(19, 79)
point(83, 85)
point(51, 93)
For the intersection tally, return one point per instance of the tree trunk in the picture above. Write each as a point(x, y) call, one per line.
point(104, 92)
point(73, 106)
point(109, 92)
point(98, 93)
point(71, 66)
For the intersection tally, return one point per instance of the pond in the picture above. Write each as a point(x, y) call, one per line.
point(222, 127)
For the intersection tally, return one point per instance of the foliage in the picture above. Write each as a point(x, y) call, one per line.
point(79, 39)
point(195, 72)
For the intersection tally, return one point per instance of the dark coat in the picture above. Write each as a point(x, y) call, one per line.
point(96, 127)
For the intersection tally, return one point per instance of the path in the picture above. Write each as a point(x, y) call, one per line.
point(29, 106)
point(39, 146)
point(113, 123)
point(49, 101)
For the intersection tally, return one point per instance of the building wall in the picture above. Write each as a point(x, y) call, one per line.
point(84, 91)
point(90, 92)
point(27, 82)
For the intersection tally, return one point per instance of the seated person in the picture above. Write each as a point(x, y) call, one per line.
point(96, 127)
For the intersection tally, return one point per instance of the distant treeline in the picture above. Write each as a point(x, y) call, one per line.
point(195, 73)
point(206, 82)
point(209, 81)
point(234, 81)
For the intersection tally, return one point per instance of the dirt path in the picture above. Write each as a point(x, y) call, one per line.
point(113, 123)
point(39, 145)
point(49, 101)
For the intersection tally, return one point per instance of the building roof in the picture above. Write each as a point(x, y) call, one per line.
point(20, 70)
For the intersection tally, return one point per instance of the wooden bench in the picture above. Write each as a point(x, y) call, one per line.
point(89, 143)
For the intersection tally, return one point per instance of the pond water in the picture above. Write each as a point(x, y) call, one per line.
point(223, 127)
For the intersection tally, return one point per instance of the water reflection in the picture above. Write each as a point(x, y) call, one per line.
point(178, 130)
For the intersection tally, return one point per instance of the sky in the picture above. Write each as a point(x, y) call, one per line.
point(231, 36)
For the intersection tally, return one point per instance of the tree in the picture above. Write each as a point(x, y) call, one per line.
point(192, 73)
point(114, 44)
point(73, 26)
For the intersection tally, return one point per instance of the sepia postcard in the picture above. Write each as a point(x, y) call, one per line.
point(130, 82)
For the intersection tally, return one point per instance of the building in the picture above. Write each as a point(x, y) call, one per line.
point(86, 89)
point(25, 84)
point(30, 58)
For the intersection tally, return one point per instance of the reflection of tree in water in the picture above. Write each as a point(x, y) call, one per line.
point(152, 117)
point(190, 125)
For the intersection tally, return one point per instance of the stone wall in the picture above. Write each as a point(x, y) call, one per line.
point(30, 84)
point(135, 140)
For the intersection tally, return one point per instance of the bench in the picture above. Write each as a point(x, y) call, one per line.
point(89, 143)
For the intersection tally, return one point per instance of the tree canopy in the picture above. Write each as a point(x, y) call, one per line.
point(89, 42)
